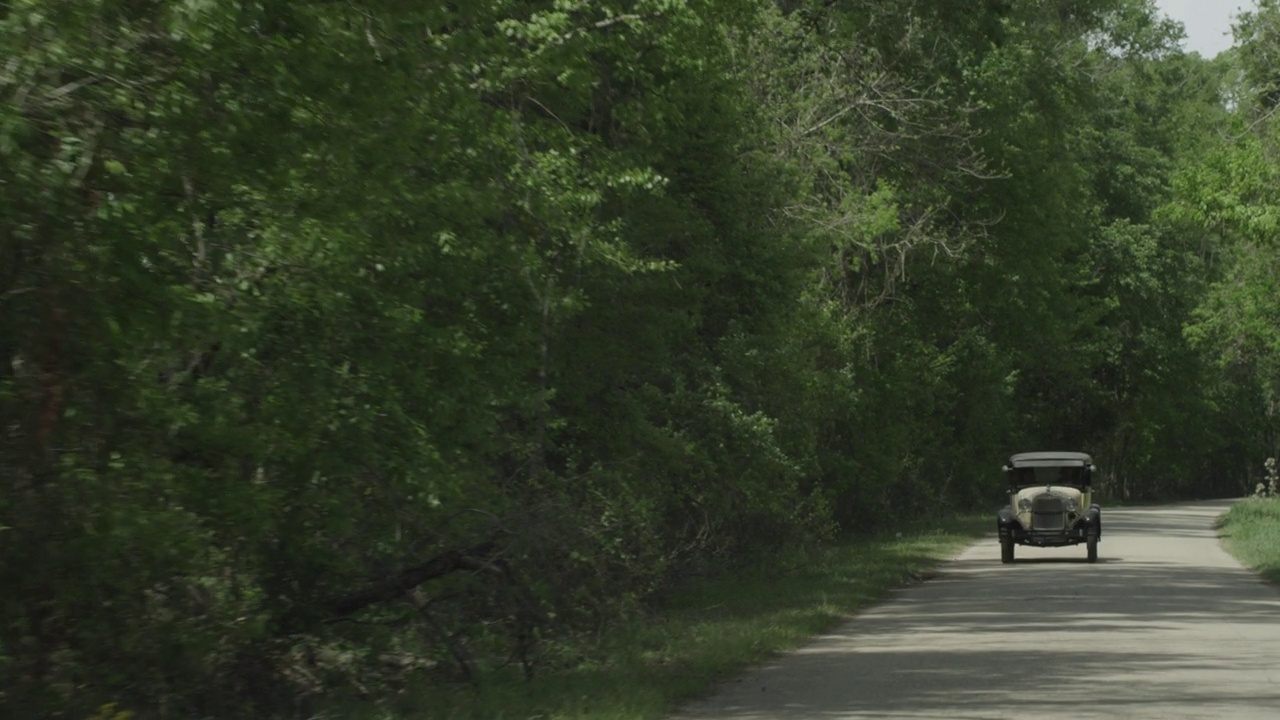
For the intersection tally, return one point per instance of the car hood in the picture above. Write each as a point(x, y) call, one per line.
point(1066, 492)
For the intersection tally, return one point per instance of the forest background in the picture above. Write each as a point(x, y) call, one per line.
point(486, 321)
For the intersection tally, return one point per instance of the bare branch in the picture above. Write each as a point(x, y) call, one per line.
point(406, 580)
point(15, 292)
point(63, 91)
point(618, 19)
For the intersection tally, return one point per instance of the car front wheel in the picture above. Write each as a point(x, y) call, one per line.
point(1006, 550)
point(1092, 544)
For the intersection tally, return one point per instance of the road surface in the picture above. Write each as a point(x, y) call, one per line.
point(1165, 625)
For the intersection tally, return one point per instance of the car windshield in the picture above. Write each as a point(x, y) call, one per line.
point(1047, 476)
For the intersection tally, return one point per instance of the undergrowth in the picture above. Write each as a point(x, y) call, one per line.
point(701, 633)
point(1251, 532)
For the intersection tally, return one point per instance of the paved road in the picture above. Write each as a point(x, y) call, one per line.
point(1165, 625)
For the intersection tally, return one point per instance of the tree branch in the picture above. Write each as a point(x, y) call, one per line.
point(401, 583)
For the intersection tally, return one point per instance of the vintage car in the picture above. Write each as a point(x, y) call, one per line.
point(1050, 503)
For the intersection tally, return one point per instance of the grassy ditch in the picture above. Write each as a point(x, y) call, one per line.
point(700, 634)
point(1251, 532)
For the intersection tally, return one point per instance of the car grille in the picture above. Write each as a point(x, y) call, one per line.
point(1048, 512)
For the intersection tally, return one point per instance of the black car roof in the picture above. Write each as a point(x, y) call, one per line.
point(1050, 459)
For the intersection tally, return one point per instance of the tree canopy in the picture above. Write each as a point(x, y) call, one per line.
point(328, 324)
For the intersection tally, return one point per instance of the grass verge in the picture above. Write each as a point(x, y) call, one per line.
point(699, 635)
point(1251, 532)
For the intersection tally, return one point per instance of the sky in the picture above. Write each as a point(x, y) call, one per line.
point(1208, 22)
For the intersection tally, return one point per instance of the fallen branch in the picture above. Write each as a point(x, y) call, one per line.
point(401, 583)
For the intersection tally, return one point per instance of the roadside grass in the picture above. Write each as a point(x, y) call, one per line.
point(1250, 531)
point(699, 635)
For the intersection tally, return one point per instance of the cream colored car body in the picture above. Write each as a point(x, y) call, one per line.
point(1050, 503)
point(1073, 497)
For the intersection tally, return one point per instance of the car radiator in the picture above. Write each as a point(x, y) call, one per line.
point(1048, 512)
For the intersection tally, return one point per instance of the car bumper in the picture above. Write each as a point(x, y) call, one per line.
point(1088, 524)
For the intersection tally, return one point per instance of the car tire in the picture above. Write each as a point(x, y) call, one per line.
point(1006, 551)
point(1092, 545)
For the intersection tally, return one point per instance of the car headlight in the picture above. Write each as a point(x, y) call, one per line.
point(1072, 504)
point(1024, 504)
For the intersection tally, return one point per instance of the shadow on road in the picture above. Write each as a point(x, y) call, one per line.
point(1158, 630)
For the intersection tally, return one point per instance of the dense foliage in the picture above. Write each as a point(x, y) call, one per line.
point(341, 337)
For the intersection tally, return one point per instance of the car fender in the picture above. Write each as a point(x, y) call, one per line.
point(1091, 518)
point(1007, 521)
